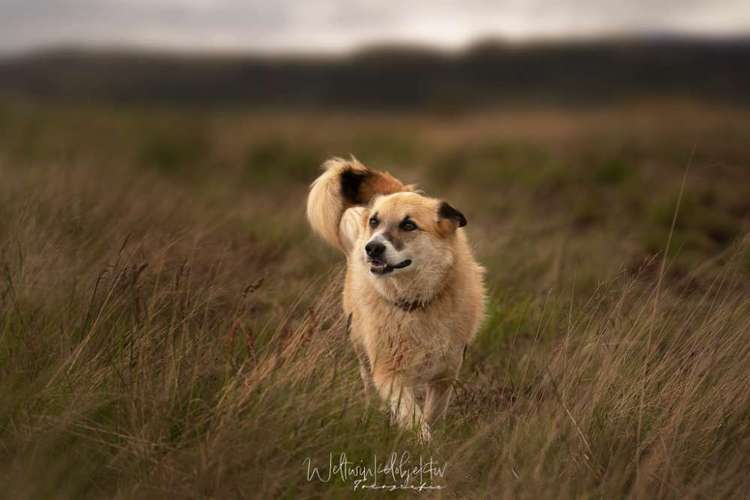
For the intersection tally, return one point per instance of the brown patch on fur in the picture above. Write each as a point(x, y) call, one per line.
point(380, 183)
point(359, 184)
point(351, 184)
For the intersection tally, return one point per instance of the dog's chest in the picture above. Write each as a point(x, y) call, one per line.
point(420, 342)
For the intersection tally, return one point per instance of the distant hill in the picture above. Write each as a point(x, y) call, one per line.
point(396, 77)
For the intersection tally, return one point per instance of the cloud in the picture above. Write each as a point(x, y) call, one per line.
point(337, 25)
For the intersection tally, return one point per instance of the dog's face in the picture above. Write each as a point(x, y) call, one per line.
point(409, 233)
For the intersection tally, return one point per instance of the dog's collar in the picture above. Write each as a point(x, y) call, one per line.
point(411, 305)
point(417, 305)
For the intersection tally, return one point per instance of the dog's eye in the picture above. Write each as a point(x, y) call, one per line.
point(408, 225)
point(374, 222)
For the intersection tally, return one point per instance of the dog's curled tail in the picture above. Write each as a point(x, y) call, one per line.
point(344, 184)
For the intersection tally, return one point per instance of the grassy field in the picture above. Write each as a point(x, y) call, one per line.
point(169, 327)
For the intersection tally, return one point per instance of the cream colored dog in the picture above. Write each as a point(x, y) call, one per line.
point(413, 296)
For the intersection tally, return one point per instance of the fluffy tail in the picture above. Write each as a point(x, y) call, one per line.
point(344, 184)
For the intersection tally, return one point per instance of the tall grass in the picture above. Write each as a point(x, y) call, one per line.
point(159, 339)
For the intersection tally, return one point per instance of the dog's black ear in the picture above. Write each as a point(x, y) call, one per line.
point(447, 213)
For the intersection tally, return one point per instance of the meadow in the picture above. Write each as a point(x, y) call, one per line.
point(170, 328)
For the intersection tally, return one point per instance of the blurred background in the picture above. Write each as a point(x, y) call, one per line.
point(563, 129)
point(441, 55)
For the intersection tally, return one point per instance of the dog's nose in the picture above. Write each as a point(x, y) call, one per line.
point(374, 249)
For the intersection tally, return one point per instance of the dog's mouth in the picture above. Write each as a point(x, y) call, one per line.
point(381, 267)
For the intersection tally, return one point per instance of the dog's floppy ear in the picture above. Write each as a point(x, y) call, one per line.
point(449, 219)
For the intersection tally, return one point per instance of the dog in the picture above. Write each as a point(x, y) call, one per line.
point(414, 295)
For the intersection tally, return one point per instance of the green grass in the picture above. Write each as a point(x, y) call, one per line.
point(170, 328)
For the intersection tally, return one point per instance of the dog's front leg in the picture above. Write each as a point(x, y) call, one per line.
point(402, 404)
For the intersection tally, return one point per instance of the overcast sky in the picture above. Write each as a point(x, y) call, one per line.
point(340, 25)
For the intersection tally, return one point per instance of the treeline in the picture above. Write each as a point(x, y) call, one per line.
point(395, 77)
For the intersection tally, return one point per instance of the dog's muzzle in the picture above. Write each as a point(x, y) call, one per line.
point(380, 267)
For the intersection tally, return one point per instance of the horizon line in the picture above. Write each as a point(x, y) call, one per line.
point(179, 50)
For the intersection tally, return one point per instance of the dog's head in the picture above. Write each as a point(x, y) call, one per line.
point(407, 232)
